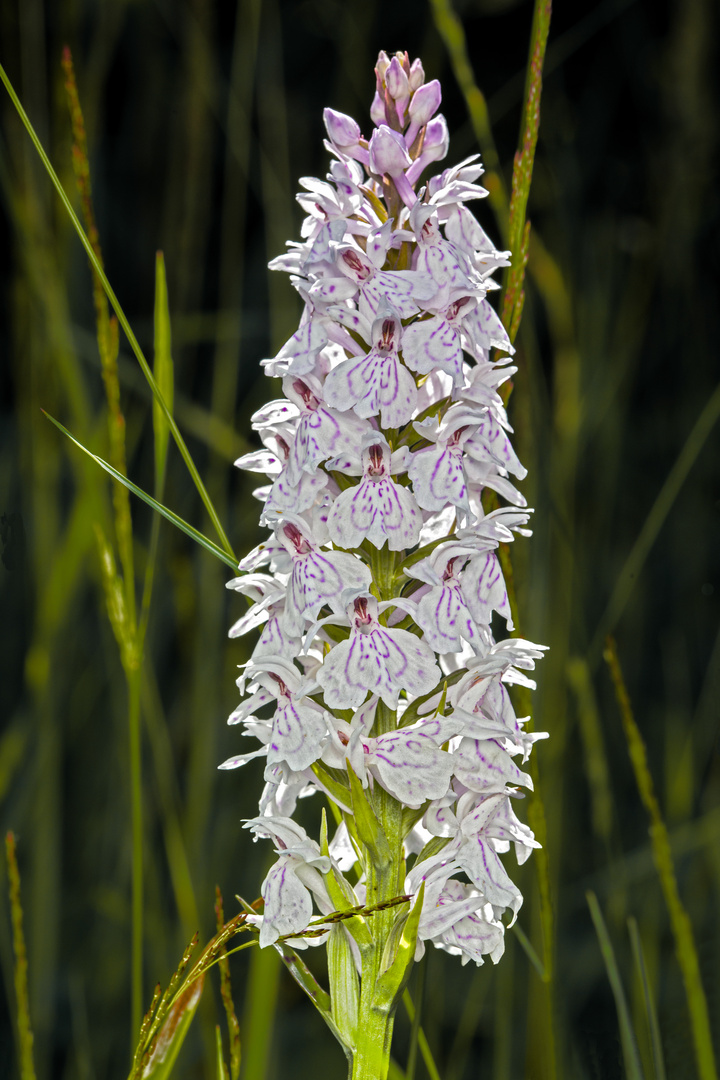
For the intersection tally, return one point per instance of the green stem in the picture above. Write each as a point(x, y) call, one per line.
point(134, 686)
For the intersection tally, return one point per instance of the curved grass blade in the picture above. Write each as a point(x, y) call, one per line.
point(662, 855)
point(122, 318)
point(631, 1057)
point(193, 533)
point(650, 1010)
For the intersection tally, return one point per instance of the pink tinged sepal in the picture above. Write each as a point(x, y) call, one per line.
point(482, 865)
point(484, 328)
point(376, 659)
point(261, 461)
point(299, 353)
point(285, 497)
point(480, 475)
point(318, 577)
point(237, 760)
point(438, 478)
point(431, 344)
point(474, 935)
point(321, 432)
point(490, 443)
point(377, 508)
point(275, 412)
point(483, 766)
point(484, 379)
point(483, 589)
point(376, 383)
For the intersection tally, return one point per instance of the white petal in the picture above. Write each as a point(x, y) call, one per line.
point(483, 587)
point(288, 904)
point(411, 767)
point(379, 510)
point(446, 620)
point(297, 735)
point(384, 661)
point(483, 766)
point(438, 478)
point(373, 384)
point(432, 344)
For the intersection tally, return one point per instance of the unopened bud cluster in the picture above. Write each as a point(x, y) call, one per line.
point(378, 586)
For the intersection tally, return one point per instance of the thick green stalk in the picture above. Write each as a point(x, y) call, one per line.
point(376, 1015)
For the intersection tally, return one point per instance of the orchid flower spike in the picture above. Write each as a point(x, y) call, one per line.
point(382, 675)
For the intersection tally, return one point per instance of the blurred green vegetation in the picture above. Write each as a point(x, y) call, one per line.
point(200, 116)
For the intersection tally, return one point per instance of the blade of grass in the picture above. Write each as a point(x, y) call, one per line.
point(518, 226)
point(259, 1012)
point(654, 522)
point(22, 1005)
point(222, 1069)
point(662, 855)
point(650, 1010)
point(422, 1042)
point(631, 1058)
point(189, 530)
point(122, 319)
point(226, 994)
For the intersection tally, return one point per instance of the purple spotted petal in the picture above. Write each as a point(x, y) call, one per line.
point(373, 384)
point(438, 478)
point(490, 442)
point(483, 588)
point(321, 433)
point(379, 510)
point(411, 767)
point(319, 578)
point(432, 344)
point(484, 868)
point(446, 620)
point(483, 766)
point(383, 662)
point(297, 736)
point(288, 904)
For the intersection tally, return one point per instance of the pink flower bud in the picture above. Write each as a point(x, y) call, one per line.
point(388, 152)
point(377, 110)
point(396, 82)
point(383, 63)
point(424, 103)
point(435, 147)
point(417, 75)
point(343, 131)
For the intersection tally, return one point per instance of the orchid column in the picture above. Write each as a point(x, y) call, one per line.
point(377, 679)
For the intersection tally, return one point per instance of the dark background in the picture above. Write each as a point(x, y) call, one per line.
point(201, 116)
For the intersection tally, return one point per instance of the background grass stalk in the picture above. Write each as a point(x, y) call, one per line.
point(22, 1001)
point(662, 856)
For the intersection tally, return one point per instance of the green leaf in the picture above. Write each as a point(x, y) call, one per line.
point(172, 517)
point(166, 1044)
point(121, 316)
point(368, 828)
point(163, 371)
point(399, 959)
point(334, 782)
point(631, 1058)
point(344, 983)
point(221, 1071)
point(306, 981)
